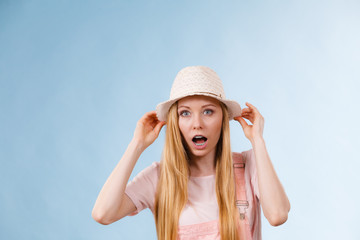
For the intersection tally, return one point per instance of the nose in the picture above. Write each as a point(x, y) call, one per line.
point(197, 122)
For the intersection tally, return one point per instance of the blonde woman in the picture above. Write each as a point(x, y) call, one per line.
point(199, 189)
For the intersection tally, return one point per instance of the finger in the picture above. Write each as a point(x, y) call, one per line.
point(247, 116)
point(245, 110)
point(146, 117)
point(150, 118)
point(256, 112)
point(158, 127)
point(251, 106)
point(251, 119)
point(237, 118)
point(151, 114)
point(242, 122)
point(153, 123)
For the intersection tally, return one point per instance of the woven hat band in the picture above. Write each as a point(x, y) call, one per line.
point(213, 94)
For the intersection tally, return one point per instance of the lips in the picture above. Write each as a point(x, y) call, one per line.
point(199, 141)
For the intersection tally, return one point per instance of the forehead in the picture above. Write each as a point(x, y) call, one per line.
point(197, 100)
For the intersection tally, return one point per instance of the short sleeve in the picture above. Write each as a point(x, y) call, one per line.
point(251, 163)
point(141, 190)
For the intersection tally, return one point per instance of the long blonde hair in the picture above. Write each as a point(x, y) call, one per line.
point(172, 192)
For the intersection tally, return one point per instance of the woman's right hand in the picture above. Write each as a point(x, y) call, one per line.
point(147, 129)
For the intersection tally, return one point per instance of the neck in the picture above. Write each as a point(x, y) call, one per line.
point(202, 165)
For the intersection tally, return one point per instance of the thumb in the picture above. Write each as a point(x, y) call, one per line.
point(158, 127)
point(242, 122)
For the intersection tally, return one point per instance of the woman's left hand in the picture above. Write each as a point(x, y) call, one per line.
point(253, 115)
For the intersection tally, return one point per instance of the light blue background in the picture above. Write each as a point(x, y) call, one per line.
point(75, 76)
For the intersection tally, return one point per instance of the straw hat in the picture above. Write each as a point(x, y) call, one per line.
point(197, 80)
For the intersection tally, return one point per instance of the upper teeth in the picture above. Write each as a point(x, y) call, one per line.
point(198, 136)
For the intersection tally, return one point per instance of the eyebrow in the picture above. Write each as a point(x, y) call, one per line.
point(207, 105)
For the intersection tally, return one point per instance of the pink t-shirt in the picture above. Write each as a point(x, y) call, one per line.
point(202, 204)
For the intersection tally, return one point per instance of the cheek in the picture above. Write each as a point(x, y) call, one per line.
point(217, 128)
point(182, 126)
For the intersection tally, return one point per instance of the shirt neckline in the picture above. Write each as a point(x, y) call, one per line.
point(201, 177)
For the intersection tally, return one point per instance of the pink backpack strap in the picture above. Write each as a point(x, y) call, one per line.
point(241, 199)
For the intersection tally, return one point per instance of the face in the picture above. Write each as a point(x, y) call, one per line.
point(200, 121)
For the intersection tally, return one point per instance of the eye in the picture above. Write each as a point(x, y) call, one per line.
point(184, 113)
point(208, 111)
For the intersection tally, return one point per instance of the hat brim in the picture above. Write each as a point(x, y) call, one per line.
point(233, 107)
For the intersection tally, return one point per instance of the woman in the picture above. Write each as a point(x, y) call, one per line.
point(196, 191)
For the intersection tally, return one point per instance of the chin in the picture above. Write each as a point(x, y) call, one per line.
point(199, 153)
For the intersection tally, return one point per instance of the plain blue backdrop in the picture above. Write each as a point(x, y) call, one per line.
point(75, 77)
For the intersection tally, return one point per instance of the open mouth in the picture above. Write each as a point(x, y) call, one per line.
point(199, 140)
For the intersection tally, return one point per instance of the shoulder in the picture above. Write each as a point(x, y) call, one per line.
point(151, 171)
point(246, 155)
point(153, 167)
point(142, 188)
